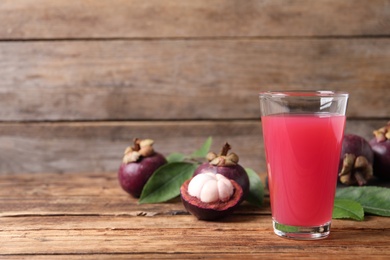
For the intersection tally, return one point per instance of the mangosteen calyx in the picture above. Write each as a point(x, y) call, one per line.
point(141, 148)
point(355, 170)
point(383, 133)
point(223, 159)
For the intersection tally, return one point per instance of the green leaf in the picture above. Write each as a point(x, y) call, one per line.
point(256, 188)
point(204, 149)
point(286, 228)
point(375, 200)
point(175, 157)
point(166, 181)
point(345, 208)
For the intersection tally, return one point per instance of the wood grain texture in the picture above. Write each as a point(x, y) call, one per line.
point(99, 146)
point(45, 19)
point(184, 79)
point(74, 195)
point(28, 232)
point(170, 241)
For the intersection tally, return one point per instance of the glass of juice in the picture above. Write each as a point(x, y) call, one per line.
point(303, 133)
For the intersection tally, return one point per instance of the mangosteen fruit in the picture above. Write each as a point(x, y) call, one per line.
point(380, 145)
point(210, 196)
point(138, 164)
point(355, 161)
point(226, 165)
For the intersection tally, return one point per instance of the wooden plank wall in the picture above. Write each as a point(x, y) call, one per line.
point(80, 79)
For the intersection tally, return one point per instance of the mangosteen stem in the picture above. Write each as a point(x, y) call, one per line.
point(225, 149)
point(137, 146)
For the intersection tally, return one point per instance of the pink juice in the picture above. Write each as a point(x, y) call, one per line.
point(302, 154)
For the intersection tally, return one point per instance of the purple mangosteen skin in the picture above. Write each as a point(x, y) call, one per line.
point(234, 172)
point(381, 158)
point(133, 176)
point(207, 214)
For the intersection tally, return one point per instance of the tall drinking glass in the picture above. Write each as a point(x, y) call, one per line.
point(303, 133)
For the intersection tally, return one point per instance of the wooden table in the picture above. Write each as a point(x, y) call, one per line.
point(88, 216)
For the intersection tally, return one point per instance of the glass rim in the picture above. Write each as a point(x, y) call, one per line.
point(304, 93)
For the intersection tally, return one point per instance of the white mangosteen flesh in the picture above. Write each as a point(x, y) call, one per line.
point(210, 187)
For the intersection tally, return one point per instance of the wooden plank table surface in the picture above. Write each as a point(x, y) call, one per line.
point(88, 216)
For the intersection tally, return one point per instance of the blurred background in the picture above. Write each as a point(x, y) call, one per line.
point(80, 79)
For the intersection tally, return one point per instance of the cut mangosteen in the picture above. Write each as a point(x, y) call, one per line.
point(210, 196)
